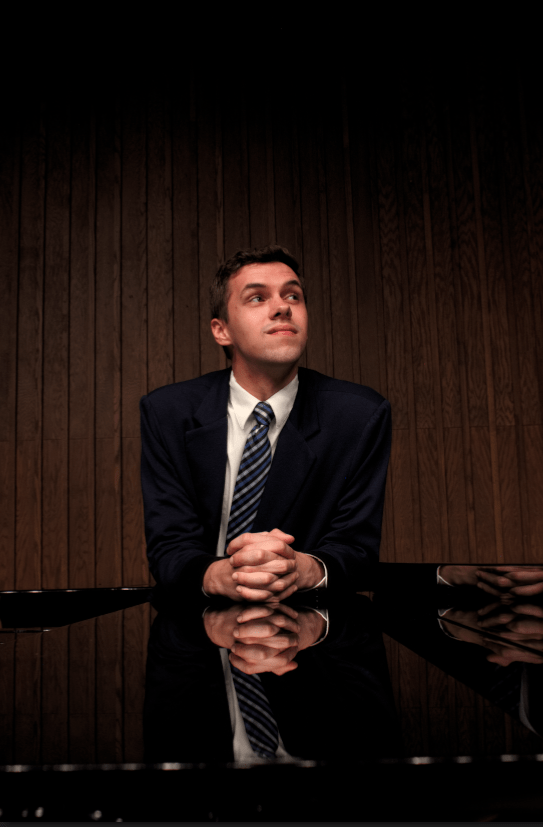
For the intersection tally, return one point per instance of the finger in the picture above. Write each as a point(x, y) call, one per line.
point(498, 620)
point(253, 595)
point(252, 555)
point(244, 540)
point(286, 538)
point(285, 616)
point(488, 589)
point(275, 598)
point(488, 609)
point(495, 580)
point(260, 661)
point(528, 609)
point(255, 580)
point(254, 612)
point(282, 583)
point(276, 642)
point(264, 627)
point(524, 628)
point(256, 554)
point(526, 576)
point(527, 591)
point(263, 579)
point(280, 614)
point(277, 565)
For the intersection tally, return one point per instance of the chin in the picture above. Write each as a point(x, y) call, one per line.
point(284, 356)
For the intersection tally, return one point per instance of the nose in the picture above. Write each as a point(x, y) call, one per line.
point(282, 308)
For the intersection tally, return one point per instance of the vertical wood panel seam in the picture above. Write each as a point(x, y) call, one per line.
point(464, 407)
point(535, 264)
point(487, 341)
point(350, 235)
point(514, 355)
point(272, 229)
point(404, 269)
point(438, 397)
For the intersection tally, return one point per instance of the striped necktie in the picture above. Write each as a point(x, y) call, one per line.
point(252, 474)
point(253, 471)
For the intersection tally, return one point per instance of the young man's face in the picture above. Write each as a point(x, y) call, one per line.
point(267, 316)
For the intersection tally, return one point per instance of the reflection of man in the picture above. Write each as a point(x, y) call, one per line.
point(329, 441)
point(334, 702)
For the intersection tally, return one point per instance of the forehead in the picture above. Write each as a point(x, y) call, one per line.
point(270, 274)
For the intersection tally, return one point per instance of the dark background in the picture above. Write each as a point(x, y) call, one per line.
point(404, 170)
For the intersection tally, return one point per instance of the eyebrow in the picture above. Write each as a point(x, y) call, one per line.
point(256, 284)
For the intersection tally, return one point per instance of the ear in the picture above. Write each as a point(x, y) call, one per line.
point(219, 329)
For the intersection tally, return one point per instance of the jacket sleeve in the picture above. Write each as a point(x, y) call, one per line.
point(176, 548)
point(349, 545)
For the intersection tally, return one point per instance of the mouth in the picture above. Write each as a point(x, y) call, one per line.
point(283, 331)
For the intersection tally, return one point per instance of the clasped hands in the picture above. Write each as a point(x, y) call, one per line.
point(262, 567)
point(263, 637)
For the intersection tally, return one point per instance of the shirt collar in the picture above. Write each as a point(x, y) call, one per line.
point(243, 403)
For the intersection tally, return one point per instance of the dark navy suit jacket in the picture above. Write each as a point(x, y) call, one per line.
point(326, 484)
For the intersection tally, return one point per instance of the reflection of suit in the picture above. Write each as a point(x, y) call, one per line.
point(337, 704)
point(326, 483)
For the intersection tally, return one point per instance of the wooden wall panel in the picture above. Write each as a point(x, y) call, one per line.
point(315, 244)
point(55, 696)
point(186, 321)
point(417, 217)
point(81, 427)
point(160, 356)
point(10, 148)
point(210, 221)
point(107, 380)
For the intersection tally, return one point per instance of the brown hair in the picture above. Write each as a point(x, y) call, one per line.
point(218, 291)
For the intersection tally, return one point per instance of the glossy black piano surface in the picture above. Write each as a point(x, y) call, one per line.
point(117, 703)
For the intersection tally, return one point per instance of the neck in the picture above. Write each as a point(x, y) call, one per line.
point(263, 384)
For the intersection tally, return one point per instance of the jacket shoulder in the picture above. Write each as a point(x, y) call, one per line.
point(352, 393)
point(188, 389)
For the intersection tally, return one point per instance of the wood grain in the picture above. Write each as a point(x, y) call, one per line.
point(135, 570)
point(54, 696)
point(159, 242)
point(418, 221)
point(81, 471)
point(186, 327)
point(133, 266)
point(107, 411)
point(109, 676)
point(209, 219)
point(135, 636)
point(82, 692)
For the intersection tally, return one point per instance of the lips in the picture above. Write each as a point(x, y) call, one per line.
point(284, 330)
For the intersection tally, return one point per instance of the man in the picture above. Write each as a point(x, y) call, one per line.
point(317, 507)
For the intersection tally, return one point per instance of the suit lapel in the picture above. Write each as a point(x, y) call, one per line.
point(206, 451)
point(292, 461)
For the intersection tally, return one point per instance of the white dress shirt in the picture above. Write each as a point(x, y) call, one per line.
point(241, 420)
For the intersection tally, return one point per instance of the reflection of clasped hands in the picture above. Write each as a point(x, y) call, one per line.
point(262, 567)
point(263, 638)
point(503, 581)
point(519, 623)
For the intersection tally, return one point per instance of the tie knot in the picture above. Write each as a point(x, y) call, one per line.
point(264, 414)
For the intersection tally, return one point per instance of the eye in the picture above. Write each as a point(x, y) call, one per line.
point(256, 299)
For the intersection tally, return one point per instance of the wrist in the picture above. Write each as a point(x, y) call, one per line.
point(310, 570)
point(216, 576)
